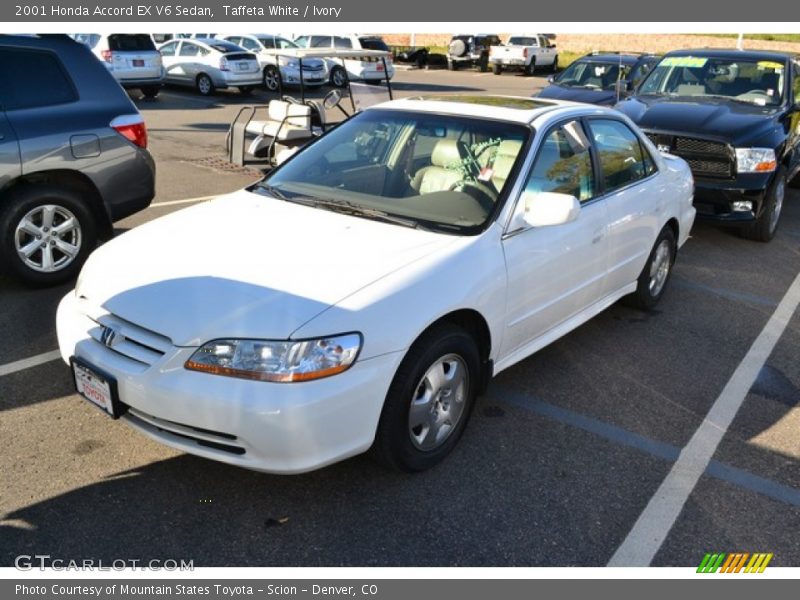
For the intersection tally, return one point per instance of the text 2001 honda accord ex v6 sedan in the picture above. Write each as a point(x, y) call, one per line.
point(363, 293)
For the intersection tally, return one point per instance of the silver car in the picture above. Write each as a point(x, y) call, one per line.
point(272, 61)
point(209, 64)
point(132, 58)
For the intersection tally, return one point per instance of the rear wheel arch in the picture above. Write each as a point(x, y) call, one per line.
point(74, 181)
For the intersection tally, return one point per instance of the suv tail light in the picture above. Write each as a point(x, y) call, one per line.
point(107, 55)
point(223, 64)
point(132, 128)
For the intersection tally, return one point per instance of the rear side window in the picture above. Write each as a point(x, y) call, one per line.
point(31, 78)
point(340, 42)
point(621, 158)
point(130, 42)
point(373, 44)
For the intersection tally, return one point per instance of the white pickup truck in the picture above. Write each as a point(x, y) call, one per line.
point(526, 52)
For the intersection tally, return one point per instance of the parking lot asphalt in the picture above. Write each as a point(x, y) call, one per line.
point(564, 452)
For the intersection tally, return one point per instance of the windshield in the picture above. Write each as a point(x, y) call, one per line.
point(759, 82)
point(594, 75)
point(431, 171)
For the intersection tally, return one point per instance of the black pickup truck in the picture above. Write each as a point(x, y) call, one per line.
point(734, 116)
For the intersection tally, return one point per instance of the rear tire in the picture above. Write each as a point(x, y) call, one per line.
point(765, 226)
point(53, 227)
point(497, 69)
point(150, 92)
point(430, 400)
point(530, 68)
point(654, 277)
point(204, 85)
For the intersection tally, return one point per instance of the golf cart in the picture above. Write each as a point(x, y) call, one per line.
point(279, 129)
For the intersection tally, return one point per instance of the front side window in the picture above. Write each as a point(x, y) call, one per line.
point(435, 171)
point(622, 160)
point(593, 74)
point(320, 41)
point(168, 49)
point(563, 164)
point(758, 82)
point(189, 49)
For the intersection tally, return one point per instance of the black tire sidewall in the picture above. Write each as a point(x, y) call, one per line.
point(760, 229)
point(270, 71)
point(644, 299)
point(334, 72)
point(393, 444)
point(22, 200)
point(210, 88)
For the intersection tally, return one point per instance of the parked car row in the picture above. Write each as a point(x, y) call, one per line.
point(202, 61)
point(733, 115)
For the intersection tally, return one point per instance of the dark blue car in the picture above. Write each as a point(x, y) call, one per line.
point(594, 78)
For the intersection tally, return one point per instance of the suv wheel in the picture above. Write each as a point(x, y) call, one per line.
point(765, 226)
point(46, 233)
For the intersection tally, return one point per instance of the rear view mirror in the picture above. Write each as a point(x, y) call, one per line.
point(546, 209)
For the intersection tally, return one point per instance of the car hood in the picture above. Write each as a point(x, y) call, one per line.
point(735, 122)
point(573, 94)
point(244, 265)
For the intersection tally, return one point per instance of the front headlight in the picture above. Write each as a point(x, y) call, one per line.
point(755, 160)
point(292, 63)
point(277, 361)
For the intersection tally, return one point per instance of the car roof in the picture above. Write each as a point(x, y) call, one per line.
point(734, 53)
point(516, 109)
point(627, 59)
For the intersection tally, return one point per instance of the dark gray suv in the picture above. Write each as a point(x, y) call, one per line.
point(73, 157)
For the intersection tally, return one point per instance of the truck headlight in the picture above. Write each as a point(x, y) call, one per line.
point(755, 160)
point(277, 361)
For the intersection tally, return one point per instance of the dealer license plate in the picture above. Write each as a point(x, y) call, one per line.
point(97, 388)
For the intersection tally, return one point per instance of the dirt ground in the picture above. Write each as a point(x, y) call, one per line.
point(582, 43)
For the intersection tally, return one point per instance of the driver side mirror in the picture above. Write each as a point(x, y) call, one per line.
point(551, 78)
point(546, 209)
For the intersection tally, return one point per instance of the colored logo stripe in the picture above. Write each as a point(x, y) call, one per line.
point(734, 562)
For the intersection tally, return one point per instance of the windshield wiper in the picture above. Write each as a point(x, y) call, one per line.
point(272, 191)
point(350, 208)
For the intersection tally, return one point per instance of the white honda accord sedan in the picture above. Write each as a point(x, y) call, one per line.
point(364, 293)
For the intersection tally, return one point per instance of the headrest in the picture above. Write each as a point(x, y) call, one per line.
point(446, 152)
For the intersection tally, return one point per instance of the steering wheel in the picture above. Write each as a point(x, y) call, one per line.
point(485, 196)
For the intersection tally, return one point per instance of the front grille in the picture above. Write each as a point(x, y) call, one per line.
point(312, 67)
point(207, 438)
point(706, 158)
point(135, 343)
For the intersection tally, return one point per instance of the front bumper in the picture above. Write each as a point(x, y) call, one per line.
point(714, 199)
point(276, 428)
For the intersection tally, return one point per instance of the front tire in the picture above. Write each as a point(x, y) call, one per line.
point(271, 79)
point(204, 85)
point(246, 90)
point(497, 69)
point(338, 77)
point(765, 226)
point(46, 233)
point(150, 91)
point(653, 280)
point(430, 400)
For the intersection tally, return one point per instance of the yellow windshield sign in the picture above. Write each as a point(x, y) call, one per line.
point(768, 64)
point(684, 61)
